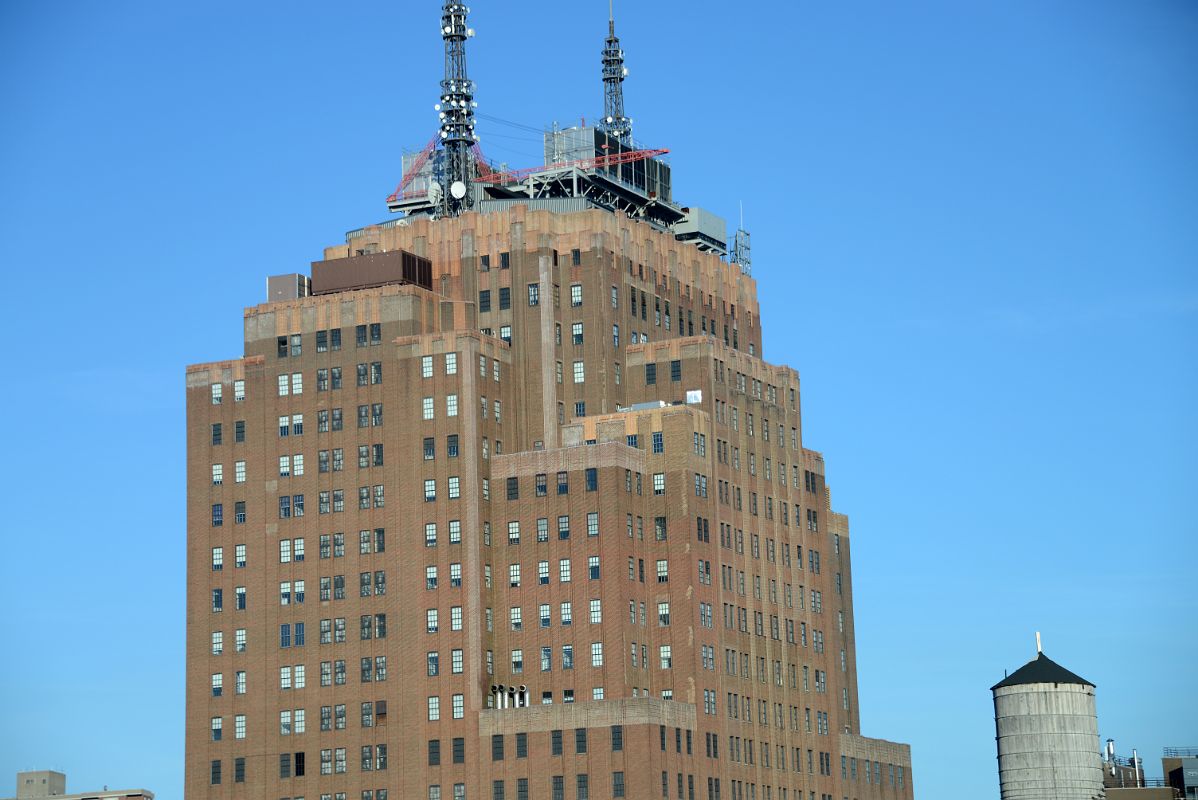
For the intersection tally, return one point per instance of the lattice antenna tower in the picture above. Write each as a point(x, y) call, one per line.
point(741, 250)
point(614, 123)
point(456, 112)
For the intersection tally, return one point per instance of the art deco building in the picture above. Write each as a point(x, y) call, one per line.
point(502, 501)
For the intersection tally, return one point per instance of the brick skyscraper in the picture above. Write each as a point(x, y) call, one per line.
point(505, 504)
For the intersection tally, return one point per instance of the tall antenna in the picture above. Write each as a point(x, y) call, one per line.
point(456, 111)
point(741, 249)
point(617, 126)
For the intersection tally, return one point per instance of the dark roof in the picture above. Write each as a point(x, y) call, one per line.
point(1041, 670)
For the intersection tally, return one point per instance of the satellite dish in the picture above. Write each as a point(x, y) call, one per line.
point(434, 194)
point(458, 190)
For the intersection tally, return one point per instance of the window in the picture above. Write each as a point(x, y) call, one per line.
point(663, 571)
point(650, 374)
point(579, 372)
point(576, 332)
point(434, 709)
point(675, 371)
point(575, 295)
point(484, 300)
point(659, 483)
point(593, 567)
point(596, 654)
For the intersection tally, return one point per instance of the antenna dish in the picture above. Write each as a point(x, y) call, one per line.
point(434, 194)
point(457, 190)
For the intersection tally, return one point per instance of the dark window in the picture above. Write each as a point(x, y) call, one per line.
point(216, 433)
point(580, 740)
point(239, 431)
point(214, 773)
point(239, 512)
point(650, 374)
point(484, 300)
point(558, 783)
point(497, 790)
point(376, 333)
point(459, 750)
point(239, 770)
point(451, 445)
point(434, 752)
point(617, 784)
point(360, 335)
point(521, 745)
point(484, 263)
point(563, 483)
point(218, 515)
point(299, 765)
point(335, 339)
point(513, 488)
point(497, 747)
point(322, 341)
point(282, 347)
point(505, 298)
point(505, 260)
point(555, 743)
point(429, 448)
point(617, 738)
point(576, 257)
point(284, 765)
point(675, 370)
point(592, 475)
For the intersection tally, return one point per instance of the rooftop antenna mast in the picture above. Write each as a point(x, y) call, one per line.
point(456, 111)
point(617, 126)
point(741, 249)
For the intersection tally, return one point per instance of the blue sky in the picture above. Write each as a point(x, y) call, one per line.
point(974, 226)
